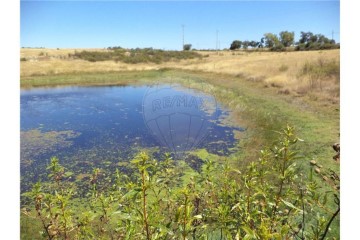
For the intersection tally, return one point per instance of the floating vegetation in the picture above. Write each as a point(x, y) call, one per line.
point(104, 127)
point(35, 143)
point(83, 176)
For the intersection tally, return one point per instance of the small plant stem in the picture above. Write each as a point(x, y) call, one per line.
point(278, 196)
point(185, 220)
point(146, 224)
point(65, 222)
point(329, 223)
point(43, 223)
point(303, 215)
point(248, 200)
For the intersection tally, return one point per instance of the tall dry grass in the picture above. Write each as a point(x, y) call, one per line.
point(282, 70)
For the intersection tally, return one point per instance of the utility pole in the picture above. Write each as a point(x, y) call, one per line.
point(217, 39)
point(332, 35)
point(183, 36)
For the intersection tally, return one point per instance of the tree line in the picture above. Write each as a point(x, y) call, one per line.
point(286, 39)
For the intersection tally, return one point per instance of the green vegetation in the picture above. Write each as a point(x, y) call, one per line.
point(89, 79)
point(319, 73)
point(270, 198)
point(177, 213)
point(187, 47)
point(286, 38)
point(283, 42)
point(272, 41)
point(146, 55)
point(236, 44)
point(310, 41)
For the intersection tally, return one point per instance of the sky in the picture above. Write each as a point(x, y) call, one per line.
point(158, 24)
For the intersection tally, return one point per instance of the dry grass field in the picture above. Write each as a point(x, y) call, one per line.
point(315, 73)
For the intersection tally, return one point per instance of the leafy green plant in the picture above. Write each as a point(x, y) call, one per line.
point(268, 199)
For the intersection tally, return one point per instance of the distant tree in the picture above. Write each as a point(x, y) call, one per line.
point(313, 39)
point(253, 44)
point(261, 43)
point(236, 44)
point(287, 38)
point(322, 39)
point(187, 47)
point(114, 48)
point(310, 41)
point(271, 40)
point(245, 44)
point(306, 37)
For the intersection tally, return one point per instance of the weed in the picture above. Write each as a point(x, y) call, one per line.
point(283, 68)
point(284, 91)
point(319, 73)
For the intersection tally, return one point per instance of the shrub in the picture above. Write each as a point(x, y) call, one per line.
point(283, 68)
point(134, 56)
point(318, 72)
point(278, 48)
point(187, 47)
point(268, 199)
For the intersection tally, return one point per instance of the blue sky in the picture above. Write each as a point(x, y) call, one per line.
point(131, 24)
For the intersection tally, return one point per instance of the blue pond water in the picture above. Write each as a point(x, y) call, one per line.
point(90, 127)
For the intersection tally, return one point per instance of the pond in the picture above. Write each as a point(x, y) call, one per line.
point(88, 127)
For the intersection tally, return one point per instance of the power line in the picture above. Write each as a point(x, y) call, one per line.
point(332, 34)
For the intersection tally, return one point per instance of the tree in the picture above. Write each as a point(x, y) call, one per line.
point(271, 40)
point(310, 41)
point(187, 47)
point(306, 37)
point(287, 38)
point(236, 44)
point(322, 39)
point(245, 44)
point(253, 44)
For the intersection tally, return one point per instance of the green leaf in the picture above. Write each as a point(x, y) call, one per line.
point(291, 206)
point(178, 213)
point(132, 193)
point(68, 174)
point(235, 206)
point(249, 232)
point(325, 199)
